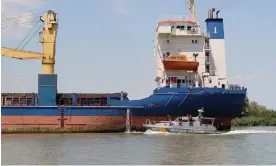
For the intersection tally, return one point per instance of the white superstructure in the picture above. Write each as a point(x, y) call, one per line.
point(186, 56)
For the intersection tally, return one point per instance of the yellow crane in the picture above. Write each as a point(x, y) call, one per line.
point(47, 37)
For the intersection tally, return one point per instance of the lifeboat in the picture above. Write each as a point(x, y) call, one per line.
point(179, 62)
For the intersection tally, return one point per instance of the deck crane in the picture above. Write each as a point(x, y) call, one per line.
point(47, 37)
point(192, 9)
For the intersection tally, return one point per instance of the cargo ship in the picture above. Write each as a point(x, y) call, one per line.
point(190, 75)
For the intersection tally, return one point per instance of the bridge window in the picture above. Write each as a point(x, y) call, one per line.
point(181, 27)
point(194, 41)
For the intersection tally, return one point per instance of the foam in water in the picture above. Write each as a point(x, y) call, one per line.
point(154, 132)
point(250, 132)
point(233, 132)
point(133, 132)
point(150, 132)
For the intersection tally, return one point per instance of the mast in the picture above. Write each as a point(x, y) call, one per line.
point(191, 9)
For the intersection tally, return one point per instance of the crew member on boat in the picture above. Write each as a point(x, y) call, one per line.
point(199, 119)
point(170, 122)
point(180, 121)
point(190, 120)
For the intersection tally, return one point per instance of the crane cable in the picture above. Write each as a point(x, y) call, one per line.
point(19, 21)
point(30, 15)
point(20, 24)
point(25, 38)
point(35, 32)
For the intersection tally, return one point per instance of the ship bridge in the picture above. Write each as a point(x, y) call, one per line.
point(182, 25)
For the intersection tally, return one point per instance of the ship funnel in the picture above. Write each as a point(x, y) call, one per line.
point(217, 14)
point(210, 13)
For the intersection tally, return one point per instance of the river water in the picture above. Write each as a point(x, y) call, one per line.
point(242, 146)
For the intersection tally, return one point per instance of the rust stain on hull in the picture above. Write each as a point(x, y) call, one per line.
point(81, 123)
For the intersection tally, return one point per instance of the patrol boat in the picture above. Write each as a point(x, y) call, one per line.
point(184, 124)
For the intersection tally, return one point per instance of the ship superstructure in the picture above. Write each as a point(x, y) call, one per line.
point(186, 55)
point(191, 74)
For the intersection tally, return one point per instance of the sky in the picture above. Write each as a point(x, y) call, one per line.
point(106, 46)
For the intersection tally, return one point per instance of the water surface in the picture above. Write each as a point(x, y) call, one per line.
point(242, 146)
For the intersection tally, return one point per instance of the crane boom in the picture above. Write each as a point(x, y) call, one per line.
point(20, 54)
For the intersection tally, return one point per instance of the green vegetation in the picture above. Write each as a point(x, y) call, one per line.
point(256, 115)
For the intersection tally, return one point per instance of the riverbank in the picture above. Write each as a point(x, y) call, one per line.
point(257, 115)
point(254, 121)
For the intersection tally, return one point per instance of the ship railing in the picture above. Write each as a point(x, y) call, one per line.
point(176, 18)
point(235, 87)
point(148, 122)
point(16, 101)
point(207, 118)
point(187, 32)
point(214, 72)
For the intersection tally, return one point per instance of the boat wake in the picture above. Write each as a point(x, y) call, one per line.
point(233, 132)
point(252, 131)
point(133, 132)
point(150, 132)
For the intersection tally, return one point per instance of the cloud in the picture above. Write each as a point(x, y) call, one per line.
point(121, 7)
point(17, 19)
point(22, 3)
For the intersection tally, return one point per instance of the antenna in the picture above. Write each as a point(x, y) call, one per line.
point(191, 9)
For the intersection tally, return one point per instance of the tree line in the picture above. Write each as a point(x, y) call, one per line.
point(256, 115)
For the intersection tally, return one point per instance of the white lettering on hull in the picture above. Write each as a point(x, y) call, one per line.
point(174, 130)
point(186, 131)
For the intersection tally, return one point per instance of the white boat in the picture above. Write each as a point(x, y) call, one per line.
point(184, 124)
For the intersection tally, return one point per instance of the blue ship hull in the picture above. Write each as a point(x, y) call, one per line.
point(217, 102)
